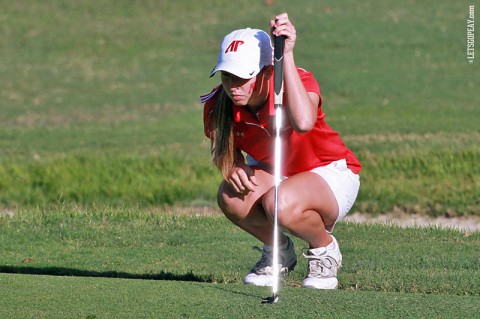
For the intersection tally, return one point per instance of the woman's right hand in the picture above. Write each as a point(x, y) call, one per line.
point(281, 25)
point(242, 179)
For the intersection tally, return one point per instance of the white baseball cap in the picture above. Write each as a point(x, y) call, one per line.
point(244, 53)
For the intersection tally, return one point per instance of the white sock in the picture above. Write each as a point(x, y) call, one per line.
point(331, 245)
point(319, 250)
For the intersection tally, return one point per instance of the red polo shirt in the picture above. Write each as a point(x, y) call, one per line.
point(254, 134)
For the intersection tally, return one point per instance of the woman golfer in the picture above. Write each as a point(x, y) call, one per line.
point(321, 179)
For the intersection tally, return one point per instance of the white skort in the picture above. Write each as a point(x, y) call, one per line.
point(342, 181)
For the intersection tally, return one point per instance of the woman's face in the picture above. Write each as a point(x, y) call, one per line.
point(247, 92)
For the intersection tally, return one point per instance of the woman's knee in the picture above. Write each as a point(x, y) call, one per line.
point(229, 203)
point(287, 212)
point(223, 197)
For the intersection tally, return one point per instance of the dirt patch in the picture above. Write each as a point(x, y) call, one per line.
point(467, 223)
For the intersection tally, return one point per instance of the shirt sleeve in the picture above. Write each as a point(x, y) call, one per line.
point(310, 83)
point(209, 101)
point(207, 119)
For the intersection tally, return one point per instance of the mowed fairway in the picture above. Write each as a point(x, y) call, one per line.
point(101, 145)
point(54, 297)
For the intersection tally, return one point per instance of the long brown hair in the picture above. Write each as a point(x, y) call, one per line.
point(223, 146)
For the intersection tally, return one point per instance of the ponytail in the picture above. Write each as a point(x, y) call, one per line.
point(223, 146)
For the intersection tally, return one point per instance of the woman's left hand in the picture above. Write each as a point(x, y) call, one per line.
point(282, 25)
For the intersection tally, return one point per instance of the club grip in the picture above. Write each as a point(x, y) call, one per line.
point(278, 62)
point(278, 46)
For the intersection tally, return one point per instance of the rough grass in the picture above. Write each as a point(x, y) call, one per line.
point(433, 182)
point(114, 179)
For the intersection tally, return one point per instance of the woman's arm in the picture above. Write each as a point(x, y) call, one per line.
point(301, 105)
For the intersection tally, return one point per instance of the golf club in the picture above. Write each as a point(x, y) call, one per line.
point(278, 87)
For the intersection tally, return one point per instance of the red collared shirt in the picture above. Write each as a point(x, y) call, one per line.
point(301, 152)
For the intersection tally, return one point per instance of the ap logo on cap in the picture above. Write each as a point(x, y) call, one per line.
point(244, 53)
point(234, 46)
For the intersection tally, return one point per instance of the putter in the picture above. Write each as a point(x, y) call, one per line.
point(278, 86)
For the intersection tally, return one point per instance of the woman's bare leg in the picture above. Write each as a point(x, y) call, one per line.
point(306, 207)
point(246, 210)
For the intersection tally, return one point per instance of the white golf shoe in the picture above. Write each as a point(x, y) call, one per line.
point(323, 264)
point(262, 273)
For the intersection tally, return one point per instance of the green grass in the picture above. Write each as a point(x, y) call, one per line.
point(89, 298)
point(134, 243)
point(83, 179)
point(97, 96)
point(111, 263)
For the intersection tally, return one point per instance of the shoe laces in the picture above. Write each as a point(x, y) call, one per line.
point(321, 266)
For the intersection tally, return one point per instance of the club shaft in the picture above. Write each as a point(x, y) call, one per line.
point(278, 86)
point(278, 179)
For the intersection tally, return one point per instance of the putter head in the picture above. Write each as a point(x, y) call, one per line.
point(272, 299)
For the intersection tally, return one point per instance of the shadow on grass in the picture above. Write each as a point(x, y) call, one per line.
point(62, 271)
